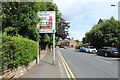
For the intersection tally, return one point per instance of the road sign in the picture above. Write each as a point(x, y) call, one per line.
point(47, 25)
point(47, 21)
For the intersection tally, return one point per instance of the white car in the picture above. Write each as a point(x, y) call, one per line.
point(91, 49)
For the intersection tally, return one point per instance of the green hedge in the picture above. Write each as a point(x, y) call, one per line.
point(17, 51)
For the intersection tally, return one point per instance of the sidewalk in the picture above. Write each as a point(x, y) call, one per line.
point(46, 70)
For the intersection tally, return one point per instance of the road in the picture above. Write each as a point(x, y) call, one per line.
point(86, 65)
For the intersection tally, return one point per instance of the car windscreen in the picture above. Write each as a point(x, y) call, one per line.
point(91, 47)
point(114, 48)
point(105, 48)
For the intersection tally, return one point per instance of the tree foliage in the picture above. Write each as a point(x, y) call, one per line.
point(22, 16)
point(104, 34)
point(62, 27)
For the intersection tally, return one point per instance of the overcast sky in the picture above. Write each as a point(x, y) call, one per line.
point(83, 14)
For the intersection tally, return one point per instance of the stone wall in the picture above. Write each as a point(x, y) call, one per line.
point(18, 72)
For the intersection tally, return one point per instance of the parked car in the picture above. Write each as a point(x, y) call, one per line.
point(65, 47)
point(109, 51)
point(57, 46)
point(91, 49)
point(82, 49)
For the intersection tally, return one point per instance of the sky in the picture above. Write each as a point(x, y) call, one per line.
point(84, 14)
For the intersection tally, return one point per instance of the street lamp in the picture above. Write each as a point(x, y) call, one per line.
point(118, 9)
point(112, 5)
point(116, 5)
point(113, 44)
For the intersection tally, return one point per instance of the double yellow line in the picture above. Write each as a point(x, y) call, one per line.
point(67, 68)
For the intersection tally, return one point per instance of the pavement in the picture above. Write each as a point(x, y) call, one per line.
point(45, 69)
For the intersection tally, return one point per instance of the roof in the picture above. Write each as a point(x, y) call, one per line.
point(101, 20)
point(67, 40)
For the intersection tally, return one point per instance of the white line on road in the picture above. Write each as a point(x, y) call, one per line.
point(107, 58)
point(104, 61)
point(88, 55)
point(85, 54)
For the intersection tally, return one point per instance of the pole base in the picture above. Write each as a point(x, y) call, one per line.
point(53, 63)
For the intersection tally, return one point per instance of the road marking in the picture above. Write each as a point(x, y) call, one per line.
point(88, 55)
point(104, 61)
point(67, 68)
point(107, 58)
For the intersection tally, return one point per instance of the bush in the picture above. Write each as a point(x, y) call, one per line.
point(57, 44)
point(17, 51)
point(77, 47)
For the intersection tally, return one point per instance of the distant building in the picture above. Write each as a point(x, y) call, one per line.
point(68, 43)
point(101, 21)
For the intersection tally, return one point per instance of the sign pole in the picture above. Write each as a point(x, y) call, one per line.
point(53, 48)
point(38, 53)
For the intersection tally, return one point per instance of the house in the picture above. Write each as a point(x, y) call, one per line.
point(68, 43)
point(101, 21)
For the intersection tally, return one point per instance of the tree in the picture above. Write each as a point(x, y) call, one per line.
point(104, 34)
point(62, 30)
point(22, 17)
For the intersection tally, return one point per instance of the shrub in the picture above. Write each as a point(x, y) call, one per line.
point(17, 51)
point(57, 44)
point(77, 47)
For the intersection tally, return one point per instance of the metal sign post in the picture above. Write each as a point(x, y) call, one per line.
point(53, 48)
point(53, 56)
point(38, 58)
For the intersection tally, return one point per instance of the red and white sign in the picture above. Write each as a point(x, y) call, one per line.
point(47, 21)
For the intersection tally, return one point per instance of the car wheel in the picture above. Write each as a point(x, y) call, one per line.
point(93, 52)
point(106, 54)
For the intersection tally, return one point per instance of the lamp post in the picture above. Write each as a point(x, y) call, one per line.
point(118, 9)
point(112, 5)
point(113, 44)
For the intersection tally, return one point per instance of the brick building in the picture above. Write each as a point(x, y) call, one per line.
point(68, 43)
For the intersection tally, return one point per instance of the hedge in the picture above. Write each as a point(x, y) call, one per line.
point(17, 51)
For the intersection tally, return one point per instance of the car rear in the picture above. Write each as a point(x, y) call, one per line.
point(102, 51)
point(108, 51)
point(114, 52)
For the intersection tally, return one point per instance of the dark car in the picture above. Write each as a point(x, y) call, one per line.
point(109, 51)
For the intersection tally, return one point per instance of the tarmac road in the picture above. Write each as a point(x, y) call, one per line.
point(86, 65)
